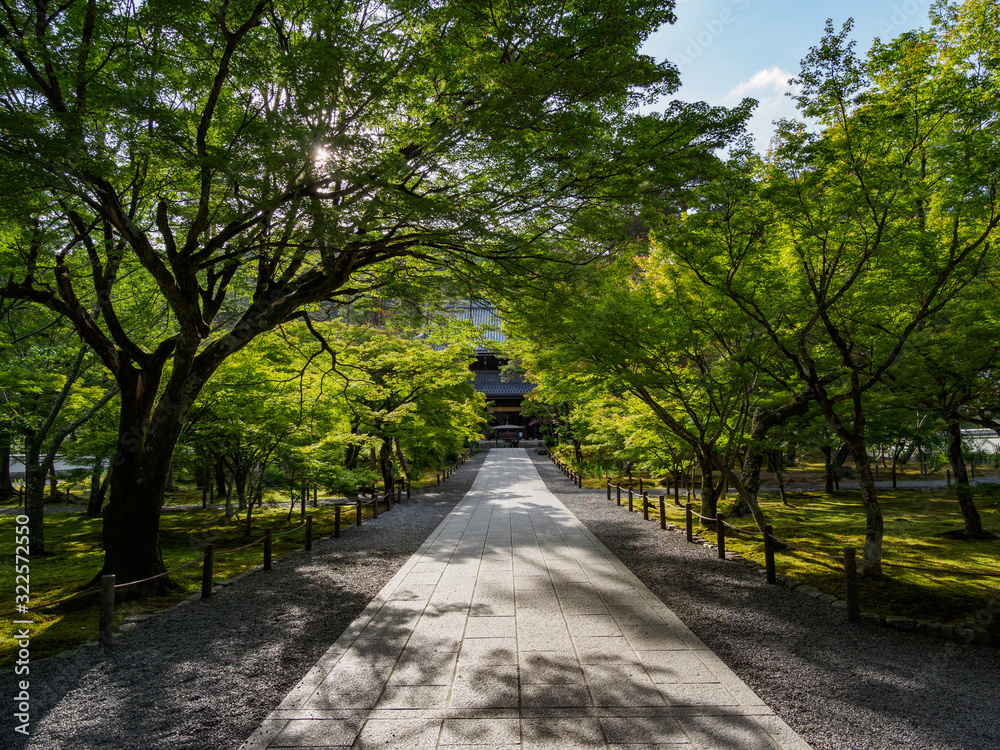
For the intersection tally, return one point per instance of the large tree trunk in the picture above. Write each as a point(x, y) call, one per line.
point(95, 499)
point(132, 517)
point(34, 494)
point(353, 452)
point(351, 456)
point(709, 500)
point(202, 476)
point(6, 486)
point(140, 467)
point(385, 464)
point(220, 477)
point(829, 472)
point(871, 563)
point(240, 483)
point(763, 420)
point(753, 460)
point(973, 523)
point(402, 459)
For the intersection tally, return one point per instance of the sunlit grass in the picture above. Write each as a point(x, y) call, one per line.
point(915, 522)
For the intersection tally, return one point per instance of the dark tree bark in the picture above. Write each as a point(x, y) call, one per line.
point(353, 449)
point(34, 493)
point(855, 442)
point(709, 498)
point(829, 472)
point(385, 464)
point(220, 487)
point(240, 475)
point(763, 421)
point(6, 486)
point(95, 500)
point(973, 522)
point(402, 458)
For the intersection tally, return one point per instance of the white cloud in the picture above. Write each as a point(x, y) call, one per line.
point(767, 80)
point(769, 87)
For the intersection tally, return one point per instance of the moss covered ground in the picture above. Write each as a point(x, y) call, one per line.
point(917, 523)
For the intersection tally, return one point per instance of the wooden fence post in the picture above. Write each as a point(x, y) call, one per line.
point(619, 491)
point(769, 554)
point(630, 508)
point(106, 620)
point(645, 503)
point(309, 533)
point(374, 503)
point(609, 490)
point(663, 515)
point(408, 484)
point(720, 535)
point(207, 571)
point(267, 548)
point(640, 484)
point(851, 584)
point(336, 521)
point(677, 493)
point(689, 522)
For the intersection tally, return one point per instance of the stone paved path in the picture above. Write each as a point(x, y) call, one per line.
point(514, 627)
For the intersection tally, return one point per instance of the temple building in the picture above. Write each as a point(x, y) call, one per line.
point(504, 394)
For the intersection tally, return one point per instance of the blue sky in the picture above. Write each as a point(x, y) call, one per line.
point(730, 49)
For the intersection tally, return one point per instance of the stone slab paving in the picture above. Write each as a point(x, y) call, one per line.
point(514, 627)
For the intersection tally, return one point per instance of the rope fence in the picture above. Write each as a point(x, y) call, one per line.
point(848, 560)
point(108, 586)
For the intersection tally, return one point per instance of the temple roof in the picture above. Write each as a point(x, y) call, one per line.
point(489, 383)
point(489, 326)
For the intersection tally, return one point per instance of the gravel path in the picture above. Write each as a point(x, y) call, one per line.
point(205, 674)
point(841, 687)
